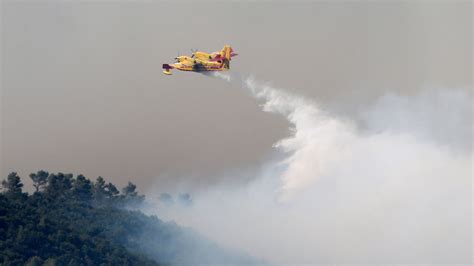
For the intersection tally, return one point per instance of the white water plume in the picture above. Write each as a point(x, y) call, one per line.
point(317, 138)
point(389, 195)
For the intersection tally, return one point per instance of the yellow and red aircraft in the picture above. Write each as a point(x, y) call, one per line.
point(201, 61)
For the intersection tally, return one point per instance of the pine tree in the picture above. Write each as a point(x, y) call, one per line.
point(40, 179)
point(59, 185)
point(99, 190)
point(82, 188)
point(111, 190)
point(12, 185)
point(130, 190)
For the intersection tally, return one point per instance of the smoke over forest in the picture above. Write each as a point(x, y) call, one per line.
point(350, 142)
point(397, 190)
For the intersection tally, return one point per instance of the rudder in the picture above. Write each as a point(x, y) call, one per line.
point(227, 54)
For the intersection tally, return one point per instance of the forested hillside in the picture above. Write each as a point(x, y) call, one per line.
point(75, 221)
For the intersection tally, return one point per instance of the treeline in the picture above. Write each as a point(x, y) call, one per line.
point(69, 221)
point(60, 186)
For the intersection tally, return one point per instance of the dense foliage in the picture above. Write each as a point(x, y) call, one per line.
point(68, 221)
point(74, 221)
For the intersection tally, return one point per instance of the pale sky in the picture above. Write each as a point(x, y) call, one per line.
point(82, 88)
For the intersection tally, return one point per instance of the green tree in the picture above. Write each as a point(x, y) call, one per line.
point(130, 195)
point(40, 179)
point(100, 190)
point(59, 185)
point(82, 188)
point(12, 185)
point(130, 190)
point(111, 190)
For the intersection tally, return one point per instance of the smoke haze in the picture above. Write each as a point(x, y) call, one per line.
point(396, 191)
point(369, 113)
point(82, 89)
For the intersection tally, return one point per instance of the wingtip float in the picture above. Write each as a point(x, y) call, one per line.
point(202, 61)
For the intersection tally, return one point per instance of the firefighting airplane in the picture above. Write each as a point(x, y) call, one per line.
point(201, 61)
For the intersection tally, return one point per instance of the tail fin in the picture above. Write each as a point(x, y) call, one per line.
point(227, 54)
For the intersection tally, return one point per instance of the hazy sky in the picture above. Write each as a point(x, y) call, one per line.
point(82, 88)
